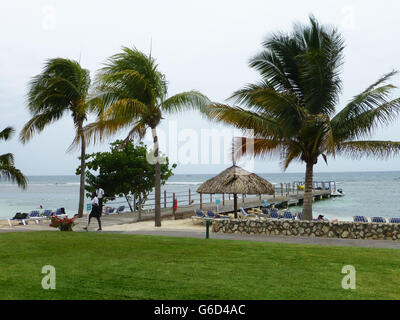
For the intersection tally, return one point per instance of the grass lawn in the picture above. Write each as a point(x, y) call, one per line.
point(121, 266)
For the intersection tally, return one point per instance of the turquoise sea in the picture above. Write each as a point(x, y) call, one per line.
point(367, 193)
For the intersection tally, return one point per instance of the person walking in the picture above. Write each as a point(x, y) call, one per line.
point(100, 196)
point(96, 213)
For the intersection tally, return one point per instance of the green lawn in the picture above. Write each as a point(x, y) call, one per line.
point(118, 266)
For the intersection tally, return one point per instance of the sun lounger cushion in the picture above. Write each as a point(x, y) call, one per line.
point(378, 219)
point(360, 219)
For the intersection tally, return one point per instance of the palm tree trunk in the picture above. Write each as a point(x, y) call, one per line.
point(83, 169)
point(157, 186)
point(308, 195)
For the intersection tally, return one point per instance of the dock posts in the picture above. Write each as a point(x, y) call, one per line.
point(242, 198)
point(282, 189)
point(165, 198)
point(201, 201)
point(190, 198)
point(259, 196)
point(223, 199)
point(173, 207)
point(210, 197)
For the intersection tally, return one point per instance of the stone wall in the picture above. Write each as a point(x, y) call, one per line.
point(342, 229)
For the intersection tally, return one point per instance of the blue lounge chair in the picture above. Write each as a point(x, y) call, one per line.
point(360, 219)
point(59, 213)
point(378, 219)
point(265, 210)
point(109, 210)
point(394, 220)
point(120, 209)
point(288, 215)
point(212, 215)
point(47, 213)
point(274, 213)
point(246, 215)
point(200, 214)
point(35, 216)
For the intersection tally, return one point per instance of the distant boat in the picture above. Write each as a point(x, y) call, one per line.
point(337, 193)
point(322, 185)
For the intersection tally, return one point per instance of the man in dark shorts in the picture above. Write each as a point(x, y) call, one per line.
point(96, 213)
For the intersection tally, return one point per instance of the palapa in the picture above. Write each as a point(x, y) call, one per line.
point(236, 180)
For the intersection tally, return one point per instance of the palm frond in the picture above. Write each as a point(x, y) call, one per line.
point(38, 122)
point(10, 173)
point(369, 149)
point(6, 133)
point(7, 159)
point(243, 119)
point(189, 100)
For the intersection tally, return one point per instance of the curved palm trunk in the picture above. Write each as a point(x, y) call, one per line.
point(157, 186)
point(82, 178)
point(308, 196)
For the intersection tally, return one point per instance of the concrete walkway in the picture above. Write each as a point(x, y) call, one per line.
point(127, 224)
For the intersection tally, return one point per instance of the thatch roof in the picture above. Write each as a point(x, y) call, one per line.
point(236, 180)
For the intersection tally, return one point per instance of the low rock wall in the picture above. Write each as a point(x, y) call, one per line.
point(341, 229)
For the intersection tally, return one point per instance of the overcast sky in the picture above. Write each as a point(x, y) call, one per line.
point(203, 45)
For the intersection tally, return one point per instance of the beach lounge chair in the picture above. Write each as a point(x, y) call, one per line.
point(60, 213)
point(200, 214)
point(378, 219)
point(19, 217)
point(212, 215)
point(274, 214)
point(360, 219)
point(120, 209)
point(34, 215)
point(108, 210)
point(244, 214)
point(265, 211)
point(288, 215)
point(47, 213)
point(394, 220)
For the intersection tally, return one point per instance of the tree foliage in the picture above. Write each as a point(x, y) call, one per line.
point(7, 167)
point(124, 171)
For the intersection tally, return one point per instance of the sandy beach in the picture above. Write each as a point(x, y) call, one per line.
point(109, 224)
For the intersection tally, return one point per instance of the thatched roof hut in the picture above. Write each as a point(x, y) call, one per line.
point(236, 180)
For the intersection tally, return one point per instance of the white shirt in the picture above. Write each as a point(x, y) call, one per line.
point(95, 201)
point(100, 193)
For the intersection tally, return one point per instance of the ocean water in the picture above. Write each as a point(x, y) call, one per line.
point(367, 193)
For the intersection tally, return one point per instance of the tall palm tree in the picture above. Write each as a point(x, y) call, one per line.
point(292, 110)
point(61, 87)
point(7, 168)
point(131, 93)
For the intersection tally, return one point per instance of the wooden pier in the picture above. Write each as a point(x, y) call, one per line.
point(281, 199)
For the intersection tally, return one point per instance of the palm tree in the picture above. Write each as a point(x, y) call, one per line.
point(61, 87)
point(292, 109)
point(131, 94)
point(7, 168)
